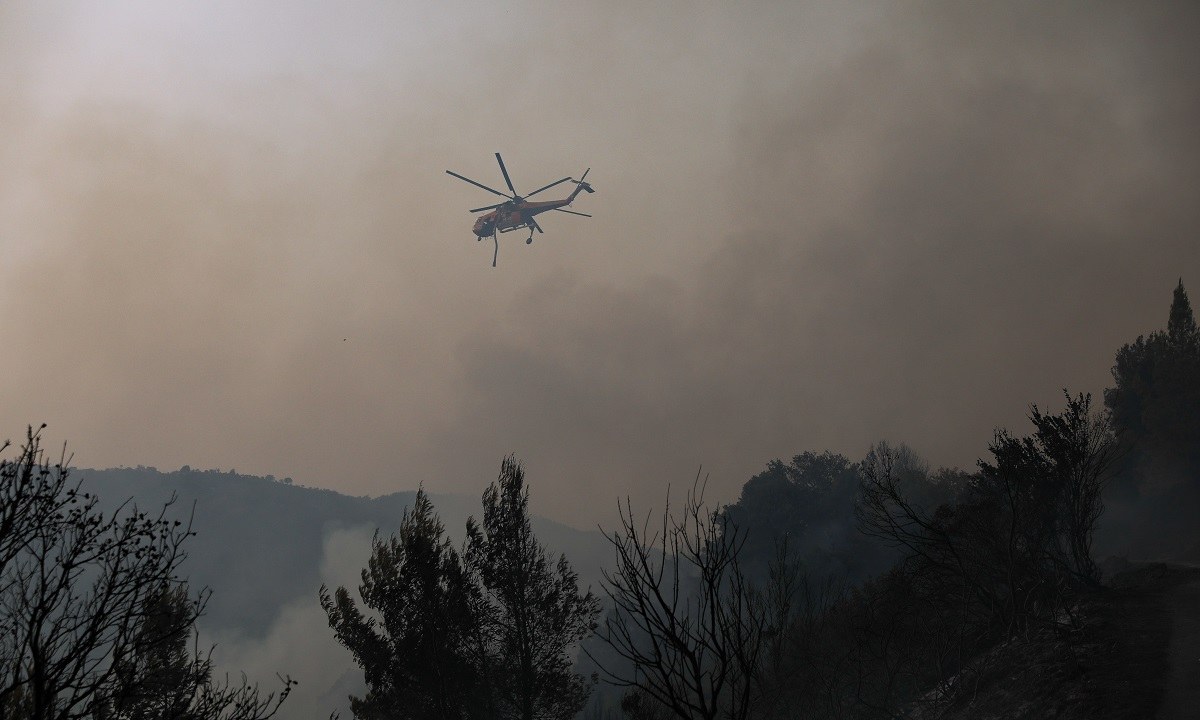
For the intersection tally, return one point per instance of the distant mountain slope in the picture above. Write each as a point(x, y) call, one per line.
point(260, 543)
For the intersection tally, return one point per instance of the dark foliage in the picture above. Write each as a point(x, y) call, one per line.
point(419, 658)
point(533, 614)
point(637, 705)
point(810, 503)
point(488, 635)
point(168, 679)
point(81, 615)
point(1155, 403)
point(1012, 555)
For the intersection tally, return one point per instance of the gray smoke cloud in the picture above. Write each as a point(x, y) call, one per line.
point(230, 242)
point(299, 643)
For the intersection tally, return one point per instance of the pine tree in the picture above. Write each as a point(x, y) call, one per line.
point(1181, 326)
point(417, 657)
point(1155, 403)
point(533, 611)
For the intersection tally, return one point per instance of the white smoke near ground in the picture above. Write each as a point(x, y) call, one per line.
point(300, 644)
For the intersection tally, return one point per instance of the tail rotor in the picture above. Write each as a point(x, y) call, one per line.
point(582, 181)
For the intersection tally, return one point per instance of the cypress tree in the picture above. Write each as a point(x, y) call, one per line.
point(1181, 326)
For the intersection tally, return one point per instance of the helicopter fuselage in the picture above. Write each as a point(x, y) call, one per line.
point(514, 216)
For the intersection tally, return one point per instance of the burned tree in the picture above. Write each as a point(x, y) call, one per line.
point(1020, 538)
point(685, 617)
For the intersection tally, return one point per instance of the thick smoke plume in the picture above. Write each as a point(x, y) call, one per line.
point(228, 239)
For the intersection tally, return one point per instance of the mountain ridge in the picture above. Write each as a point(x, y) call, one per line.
point(261, 543)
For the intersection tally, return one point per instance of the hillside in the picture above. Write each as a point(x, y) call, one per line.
point(1134, 655)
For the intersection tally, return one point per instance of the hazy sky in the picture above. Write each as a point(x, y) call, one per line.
point(228, 239)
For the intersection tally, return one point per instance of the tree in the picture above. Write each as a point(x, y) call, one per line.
point(1181, 323)
point(809, 501)
point(77, 592)
point(1155, 403)
point(1013, 553)
point(533, 615)
point(159, 681)
point(685, 617)
point(417, 657)
point(1076, 451)
point(168, 680)
point(1020, 538)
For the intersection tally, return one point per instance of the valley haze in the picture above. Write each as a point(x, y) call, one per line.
point(264, 546)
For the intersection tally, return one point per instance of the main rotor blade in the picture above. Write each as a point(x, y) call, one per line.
point(505, 171)
point(572, 212)
point(547, 187)
point(478, 185)
point(489, 207)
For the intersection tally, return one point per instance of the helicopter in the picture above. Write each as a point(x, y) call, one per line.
point(517, 212)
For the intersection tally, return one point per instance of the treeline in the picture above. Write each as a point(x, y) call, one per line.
point(1010, 554)
point(877, 588)
point(831, 589)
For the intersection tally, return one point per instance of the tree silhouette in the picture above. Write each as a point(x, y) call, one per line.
point(533, 614)
point(168, 680)
point(1020, 539)
point(417, 657)
point(80, 602)
point(1181, 324)
point(686, 618)
point(1155, 403)
point(487, 635)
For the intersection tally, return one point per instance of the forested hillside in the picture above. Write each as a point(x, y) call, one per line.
point(901, 583)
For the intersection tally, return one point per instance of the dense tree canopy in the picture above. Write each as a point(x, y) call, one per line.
point(488, 634)
point(810, 501)
point(418, 656)
point(1155, 402)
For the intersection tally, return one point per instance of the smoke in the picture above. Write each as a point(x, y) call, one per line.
point(299, 643)
point(966, 214)
point(232, 243)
